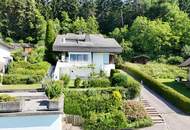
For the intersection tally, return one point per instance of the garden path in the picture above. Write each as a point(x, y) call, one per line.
point(174, 118)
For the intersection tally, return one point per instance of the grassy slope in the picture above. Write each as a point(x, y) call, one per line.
point(166, 74)
point(161, 71)
point(178, 86)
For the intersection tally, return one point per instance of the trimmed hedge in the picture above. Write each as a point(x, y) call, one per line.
point(177, 99)
point(99, 82)
point(21, 79)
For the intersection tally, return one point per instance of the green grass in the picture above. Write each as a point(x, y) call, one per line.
point(178, 86)
point(20, 86)
point(161, 71)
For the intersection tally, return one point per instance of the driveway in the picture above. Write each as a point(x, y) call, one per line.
point(174, 119)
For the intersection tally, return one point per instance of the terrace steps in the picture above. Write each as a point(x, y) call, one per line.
point(69, 126)
point(152, 112)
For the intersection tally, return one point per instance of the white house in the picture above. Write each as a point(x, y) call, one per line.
point(83, 54)
point(5, 55)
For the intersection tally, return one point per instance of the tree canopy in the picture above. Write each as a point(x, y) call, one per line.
point(151, 27)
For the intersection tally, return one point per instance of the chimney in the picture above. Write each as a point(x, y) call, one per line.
point(63, 40)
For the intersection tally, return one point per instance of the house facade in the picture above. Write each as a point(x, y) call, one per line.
point(84, 54)
point(5, 55)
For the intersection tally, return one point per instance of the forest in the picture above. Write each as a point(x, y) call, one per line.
point(159, 29)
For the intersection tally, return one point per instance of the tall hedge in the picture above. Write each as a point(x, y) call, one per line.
point(177, 99)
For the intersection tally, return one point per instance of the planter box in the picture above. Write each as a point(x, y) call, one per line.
point(6, 107)
point(56, 105)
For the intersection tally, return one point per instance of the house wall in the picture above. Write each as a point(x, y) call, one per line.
point(5, 54)
point(41, 122)
point(82, 69)
point(100, 59)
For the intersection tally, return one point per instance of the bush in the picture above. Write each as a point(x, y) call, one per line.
point(106, 121)
point(25, 73)
point(84, 102)
point(66, 79)
point(102, 73)
point(113, 71)
point(175, 60)
point(119, 79)
point(85, 84)
point(177, 99)
point(8, 40)
point(77, 82)
point(21, 79)
point(54, 90)
point(133, 88)
point(99, 82)
point(134, 110)
point(6, 98)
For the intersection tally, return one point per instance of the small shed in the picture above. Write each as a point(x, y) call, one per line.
point(186, 64)
point(27, 48)
point(141, 59)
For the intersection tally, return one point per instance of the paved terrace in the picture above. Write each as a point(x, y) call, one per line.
point(35, 103)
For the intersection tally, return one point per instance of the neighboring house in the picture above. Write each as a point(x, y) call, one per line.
point(83, 54)
point(5, 55)
point(186, 64)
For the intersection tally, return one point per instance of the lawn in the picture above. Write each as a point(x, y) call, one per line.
point(161, 71)
point(20, 86)
point(178, 86)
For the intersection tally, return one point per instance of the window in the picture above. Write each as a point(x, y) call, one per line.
point(106, 58)
point(79, 57)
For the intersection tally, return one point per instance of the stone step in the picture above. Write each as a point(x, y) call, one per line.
point(66, 126)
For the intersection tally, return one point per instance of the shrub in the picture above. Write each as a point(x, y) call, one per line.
point(113, 71)
point(25, 73)
point(119, 79)
point(77, 82)
point(8, 40)
point(175, 60)
point(66, 79)
point(53, 90)
point(6, 98)
point(99, 82)
point(85, 84)
point(133, 88)
point(84, 102)
point(21, 79)
point(106, 121)
point(102, 73)
point(134, 110)
point(166, 92)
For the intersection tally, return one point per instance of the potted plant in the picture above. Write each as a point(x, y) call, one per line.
point(9, 104)
point(54, 93)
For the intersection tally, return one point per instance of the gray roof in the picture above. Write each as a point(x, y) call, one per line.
point(186, 63)
point(86, 43)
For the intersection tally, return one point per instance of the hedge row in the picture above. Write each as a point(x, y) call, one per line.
point(177, 99)
point(21, 79)
point(97, 82)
